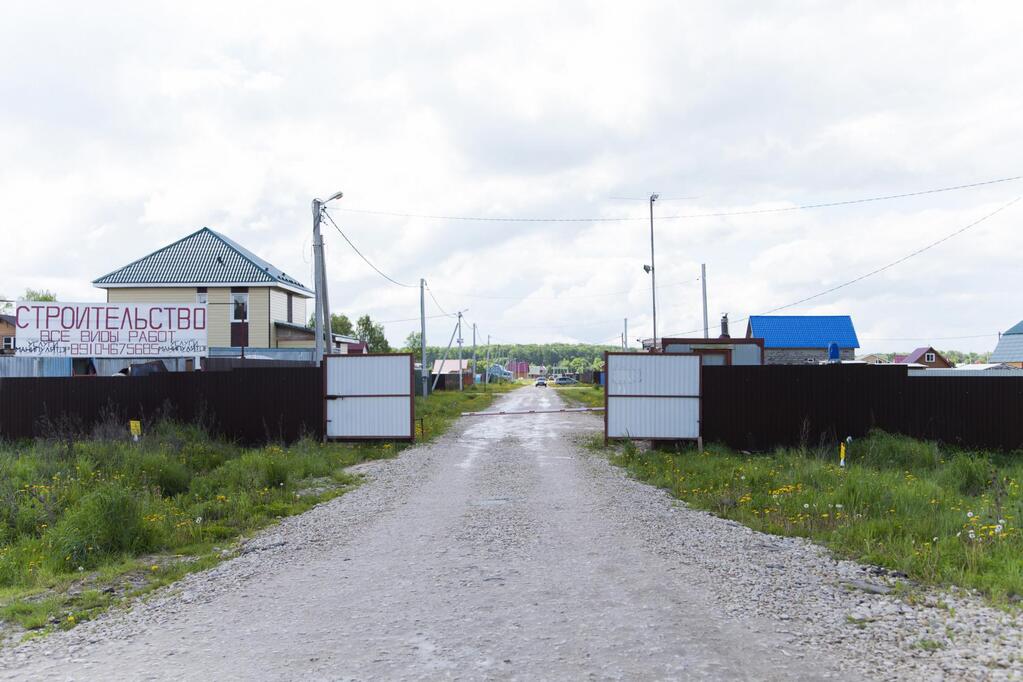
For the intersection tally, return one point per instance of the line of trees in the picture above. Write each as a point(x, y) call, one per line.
point(578, 357)
point(7, 306)
point(365, 330)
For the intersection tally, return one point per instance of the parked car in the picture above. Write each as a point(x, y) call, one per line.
point(565, 381)
point(541, 382)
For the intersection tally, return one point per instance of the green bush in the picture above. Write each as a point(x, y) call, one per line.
point(106, 522)
point(968, 473)
point(169, 475)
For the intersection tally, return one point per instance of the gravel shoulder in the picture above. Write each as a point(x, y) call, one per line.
point(505, 550)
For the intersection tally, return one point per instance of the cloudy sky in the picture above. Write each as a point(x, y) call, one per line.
point(126, 126)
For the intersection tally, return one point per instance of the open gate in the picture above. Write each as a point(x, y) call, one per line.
point(369, 397)
point(652, 396)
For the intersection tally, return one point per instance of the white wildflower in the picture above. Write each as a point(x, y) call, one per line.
point(969, 515)
point(198, 520)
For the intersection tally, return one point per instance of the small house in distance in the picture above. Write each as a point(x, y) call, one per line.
point(802, 339)
point(926, 356)
point(873, 359)
point(251, 302)
point(723, 351)
point(7, 334)
point(1010, 347)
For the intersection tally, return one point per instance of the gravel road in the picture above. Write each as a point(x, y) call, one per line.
point(506, 550)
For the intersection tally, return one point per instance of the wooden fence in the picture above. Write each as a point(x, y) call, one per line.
point(760, 407)
point(247, 405)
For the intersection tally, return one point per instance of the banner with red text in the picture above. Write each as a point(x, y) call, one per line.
point(110, 330)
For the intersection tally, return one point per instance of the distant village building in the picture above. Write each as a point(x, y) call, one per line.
point(1010, 347)
point(251, 302)
point(802, 339)
point(7, 334)
point(926, 356)
point(873, 359)
point(722, 351)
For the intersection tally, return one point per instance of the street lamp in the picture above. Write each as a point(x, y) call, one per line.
point(322, 304)
point(650, 268)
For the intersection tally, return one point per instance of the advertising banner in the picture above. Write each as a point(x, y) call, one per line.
point(110, 330)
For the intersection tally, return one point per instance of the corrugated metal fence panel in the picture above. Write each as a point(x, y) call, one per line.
point(247, 405)
point(370, 396)
point(661, 418)
point(650, 374)
point(931, 373)
point(12, 366)
point(368, 374)
point(376, 417)
point(759, 408)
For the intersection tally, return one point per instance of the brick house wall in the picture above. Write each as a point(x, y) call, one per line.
point(802, 356)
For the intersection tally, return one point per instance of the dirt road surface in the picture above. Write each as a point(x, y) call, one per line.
point(503, 550)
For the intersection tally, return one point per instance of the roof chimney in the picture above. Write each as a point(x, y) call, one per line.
point(724, 327)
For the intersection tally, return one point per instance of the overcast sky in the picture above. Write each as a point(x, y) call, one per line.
point(125, 127)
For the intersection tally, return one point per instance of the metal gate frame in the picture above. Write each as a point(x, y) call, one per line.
point(411, 395)
point(698, 397)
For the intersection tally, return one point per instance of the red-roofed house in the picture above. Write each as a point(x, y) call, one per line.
point(926, 356)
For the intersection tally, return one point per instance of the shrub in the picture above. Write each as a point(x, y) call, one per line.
point(107, 521)
point(969, 474)
point(170, 475)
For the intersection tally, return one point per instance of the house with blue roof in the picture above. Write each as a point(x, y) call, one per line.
point(251, 302)
point(802, 339)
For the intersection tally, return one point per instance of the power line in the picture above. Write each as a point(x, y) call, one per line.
point(686, 216)
point(876, 271)
point(927, 338)
point(370, 264)
point(437, 303)
point(563, 298)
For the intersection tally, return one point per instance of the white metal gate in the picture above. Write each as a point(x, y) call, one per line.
point(653, 396)
point(369, 397)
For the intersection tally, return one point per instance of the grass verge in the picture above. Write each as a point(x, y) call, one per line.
point(86, 523)
point(582, 395)
point(940, 516)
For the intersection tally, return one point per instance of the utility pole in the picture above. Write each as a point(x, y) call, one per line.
point(625, 335)
point(474, 352)
point(423, 371)
point(486, 379)
point(703, 281)
point(653, 274)
point(444, 360)
point(322, 304)
point(460, 387)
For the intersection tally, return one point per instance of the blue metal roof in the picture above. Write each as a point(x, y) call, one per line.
point(1016, 329)
point(203, 257)
point(803, 331)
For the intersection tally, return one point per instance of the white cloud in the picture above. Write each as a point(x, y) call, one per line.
point(124, 128)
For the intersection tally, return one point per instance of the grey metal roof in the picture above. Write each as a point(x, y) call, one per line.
point(1009, 349)
point(1016, 329)
point(203, 257)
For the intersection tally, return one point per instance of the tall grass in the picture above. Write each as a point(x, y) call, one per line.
point(940, 516)
point(71, 504)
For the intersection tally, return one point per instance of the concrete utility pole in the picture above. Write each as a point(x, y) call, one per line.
point(423, 370)
point(322, 303)
point(625, 335)
point(460, 387)
point(474, 352)
point(444, 360)
point(653, 274)
point(486, 376)
point(703, 281)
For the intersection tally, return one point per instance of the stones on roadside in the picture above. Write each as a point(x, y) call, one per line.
point(863, 585)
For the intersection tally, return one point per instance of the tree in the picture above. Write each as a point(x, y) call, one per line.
point(339, 324)
point(372, 335)
point(414, 345)
point(38, 295)
point(579, 365)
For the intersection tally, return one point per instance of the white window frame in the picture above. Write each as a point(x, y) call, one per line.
point(234, 299)
point(8, 343)
point(930, 357)
point(202, 298)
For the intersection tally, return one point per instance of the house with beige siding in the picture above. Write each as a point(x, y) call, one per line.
point(250, 302)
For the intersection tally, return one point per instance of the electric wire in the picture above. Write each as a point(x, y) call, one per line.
point(686, 216)
point(563, 298)
point(363, 257)
point(876, 271)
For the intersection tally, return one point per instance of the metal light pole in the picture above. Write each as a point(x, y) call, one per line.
point(653, 274)
point(322, 304)
point(703, 281)
point(423, 371)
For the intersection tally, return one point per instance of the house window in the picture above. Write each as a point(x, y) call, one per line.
point(8, 343)
point(239, 307)
point(202, 298)
point(929, 357)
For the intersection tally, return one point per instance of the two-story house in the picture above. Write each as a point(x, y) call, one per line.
point(7, 334)
point(250, 302)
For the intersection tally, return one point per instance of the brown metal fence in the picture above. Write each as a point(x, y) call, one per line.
point(760, 407)
point(247, 405)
